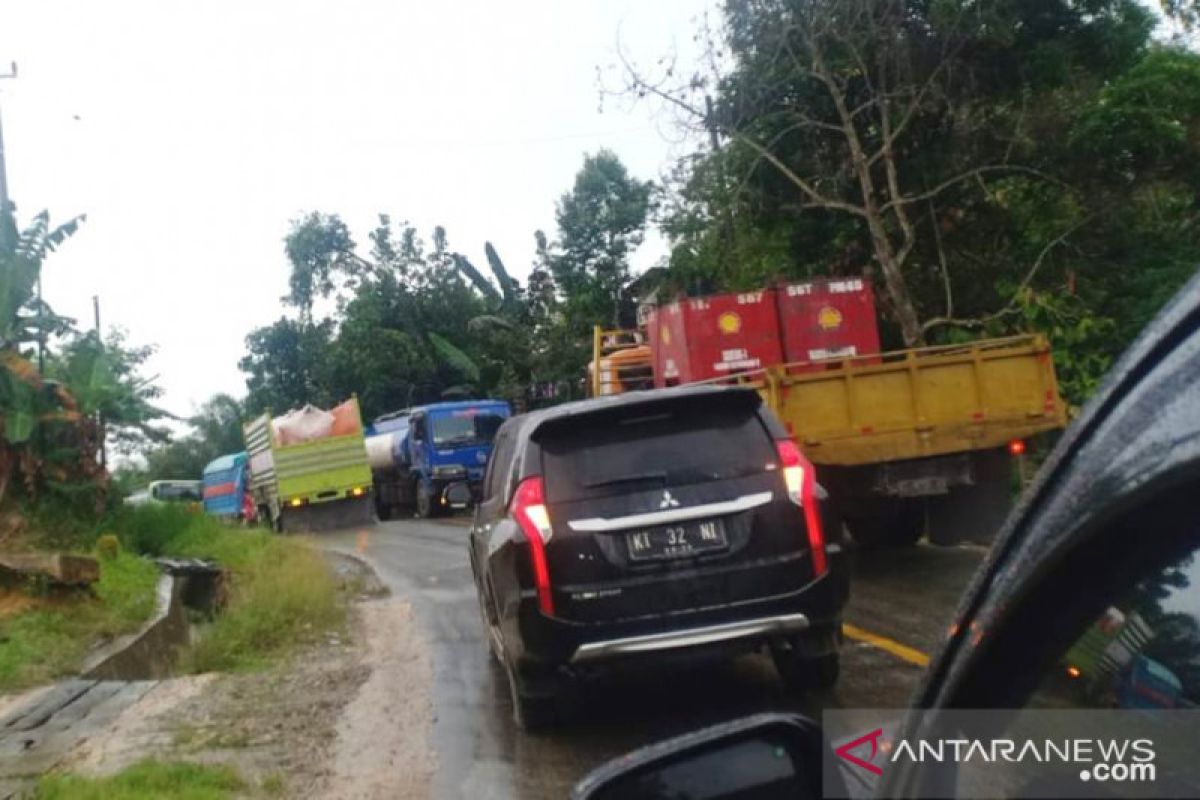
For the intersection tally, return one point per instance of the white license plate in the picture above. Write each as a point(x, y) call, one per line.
point(677, 541)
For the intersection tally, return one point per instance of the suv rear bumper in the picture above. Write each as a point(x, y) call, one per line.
point(538, 643)
point(778, 625)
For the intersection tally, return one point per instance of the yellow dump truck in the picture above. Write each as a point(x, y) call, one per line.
point(922, 439)
point(916, 441)
point(309, 469)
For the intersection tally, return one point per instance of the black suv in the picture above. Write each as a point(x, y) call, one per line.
point(649, 524)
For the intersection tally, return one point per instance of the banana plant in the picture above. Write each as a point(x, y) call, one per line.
point(24, 317)
point(503, 299)
point(506, 321)
point(25, 402)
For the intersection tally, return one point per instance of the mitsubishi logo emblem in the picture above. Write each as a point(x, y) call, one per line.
point(668, 501)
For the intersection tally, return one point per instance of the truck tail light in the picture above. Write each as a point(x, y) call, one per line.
point(528, 508)
point(1016, 447)
point(800, 480)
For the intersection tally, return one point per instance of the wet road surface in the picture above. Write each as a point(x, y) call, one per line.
point(901, 600)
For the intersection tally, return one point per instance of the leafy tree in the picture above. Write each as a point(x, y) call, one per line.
point(387, 367)
point(999, 167)
point(601, 221)
point(318, 247)
point(215, 430)
point(287, 365)
point(858, 134)
point(391, 336)
point(105, 379)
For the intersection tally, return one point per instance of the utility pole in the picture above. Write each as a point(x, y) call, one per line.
point(100, 413)
point(12, 73)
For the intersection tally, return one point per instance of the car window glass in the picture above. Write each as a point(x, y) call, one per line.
point(465, 427)
point(1142, 651)
point(178, 491)
point(489, 475)
point(498, 465)
point(666, 449)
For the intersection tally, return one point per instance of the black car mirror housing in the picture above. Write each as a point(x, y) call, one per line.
point(762, 757)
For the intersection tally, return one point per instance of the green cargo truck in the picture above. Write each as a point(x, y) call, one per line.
point(308, 485)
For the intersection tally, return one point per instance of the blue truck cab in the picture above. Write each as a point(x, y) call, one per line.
point(446, 449)
point(225, 486)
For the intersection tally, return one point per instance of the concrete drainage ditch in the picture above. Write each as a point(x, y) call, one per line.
point(38, 731)
point(150, 653)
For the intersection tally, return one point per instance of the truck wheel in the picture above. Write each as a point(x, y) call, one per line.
point(426, 507)
point(895, 524)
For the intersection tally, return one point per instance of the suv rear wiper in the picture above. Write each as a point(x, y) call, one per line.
point(640, 476)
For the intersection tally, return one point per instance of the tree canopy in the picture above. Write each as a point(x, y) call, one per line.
point(414, 321)
point(995, 167)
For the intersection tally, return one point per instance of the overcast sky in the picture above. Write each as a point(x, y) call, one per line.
point(191, 133)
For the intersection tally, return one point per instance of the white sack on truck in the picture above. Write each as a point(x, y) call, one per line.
point(302, 425)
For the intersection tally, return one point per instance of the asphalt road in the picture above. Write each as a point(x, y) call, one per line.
point(901, 603)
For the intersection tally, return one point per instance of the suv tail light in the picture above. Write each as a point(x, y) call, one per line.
point(800, 479)
point(528, 508)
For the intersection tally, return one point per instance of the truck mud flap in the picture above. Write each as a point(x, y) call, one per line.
point(331, 516)
point(975, 513)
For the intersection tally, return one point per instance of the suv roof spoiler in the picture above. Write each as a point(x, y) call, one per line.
point(648, 402)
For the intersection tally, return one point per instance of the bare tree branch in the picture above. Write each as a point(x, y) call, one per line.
point(815, 196)
point(1011, 306)
point(941, 251)
point(971, 173)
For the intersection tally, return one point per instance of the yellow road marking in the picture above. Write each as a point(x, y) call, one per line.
point(900, 651)
point(364, 539)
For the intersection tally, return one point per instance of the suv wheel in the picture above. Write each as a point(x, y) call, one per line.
point(489, 628)
point(802, 673)
point(532, 713)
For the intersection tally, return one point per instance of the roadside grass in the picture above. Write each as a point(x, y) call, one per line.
point(146, 780)
point(273, 785)
point(283, 599)
point(51, 636)
point(281, 594)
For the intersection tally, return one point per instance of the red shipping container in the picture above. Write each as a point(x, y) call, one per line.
point(713, 337)
point(827, 318)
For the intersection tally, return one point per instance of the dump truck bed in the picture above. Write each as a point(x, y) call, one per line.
point(313, 472)
point(916, 403)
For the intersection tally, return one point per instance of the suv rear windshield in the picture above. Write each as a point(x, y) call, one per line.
point(652, 449)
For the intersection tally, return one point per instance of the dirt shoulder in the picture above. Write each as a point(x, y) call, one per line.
point(348, 717)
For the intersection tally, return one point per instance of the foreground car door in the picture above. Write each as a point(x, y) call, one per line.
point(1090, 598)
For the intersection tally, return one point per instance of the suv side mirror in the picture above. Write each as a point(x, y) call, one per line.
point(764, 756)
